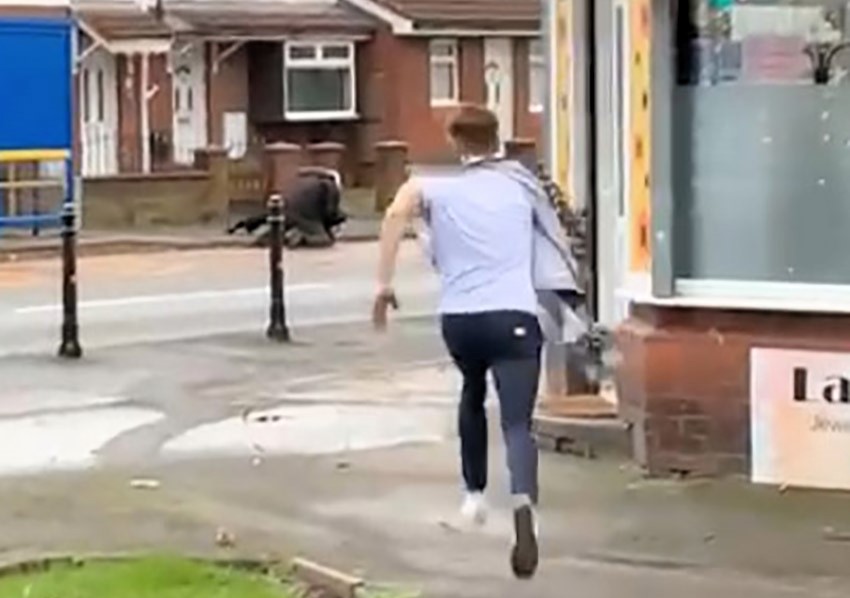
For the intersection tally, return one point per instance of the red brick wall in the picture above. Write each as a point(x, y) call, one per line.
point(33, 11)
point(129, 75)
point(227, 88)
point(379, 104)
point(129, 148)
point(472, 86)
point(405, 79)
point(161, 109)
point(420, 124)
point(160, 105)
point(684, 380)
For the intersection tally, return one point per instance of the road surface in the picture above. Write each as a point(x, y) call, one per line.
point(129, 299)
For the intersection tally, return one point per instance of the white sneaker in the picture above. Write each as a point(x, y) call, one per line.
point(474, 509)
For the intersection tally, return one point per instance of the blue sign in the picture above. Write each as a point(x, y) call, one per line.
point(36, 84)
point(36, 77)
point(36, 110)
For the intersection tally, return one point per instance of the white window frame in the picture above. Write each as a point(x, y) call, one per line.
point(319, 62)
point(536, 60)
point(451, 60)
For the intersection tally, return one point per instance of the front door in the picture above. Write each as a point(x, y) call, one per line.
point(98, 114)
point(189, 102)
point(499, 82)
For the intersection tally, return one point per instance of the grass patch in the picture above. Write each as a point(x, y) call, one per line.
point(155, 577)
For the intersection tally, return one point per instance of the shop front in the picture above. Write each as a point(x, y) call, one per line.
point(735, 355)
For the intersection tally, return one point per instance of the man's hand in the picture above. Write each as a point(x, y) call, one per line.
point(384, 300)
point(404, 208)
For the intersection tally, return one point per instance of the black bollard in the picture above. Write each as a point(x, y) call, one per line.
point(70, 347)
point(277, 331)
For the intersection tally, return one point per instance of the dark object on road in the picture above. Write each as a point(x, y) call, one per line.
point(277, 330)
point(70, 347)
point(312, 212)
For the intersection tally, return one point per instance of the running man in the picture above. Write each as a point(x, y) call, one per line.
point(481, 224)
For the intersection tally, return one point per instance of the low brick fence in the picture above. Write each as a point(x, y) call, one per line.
point(158, 199)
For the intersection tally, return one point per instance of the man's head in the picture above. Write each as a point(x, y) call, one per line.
point(475, 131)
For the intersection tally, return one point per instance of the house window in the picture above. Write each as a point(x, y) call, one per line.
point(444, 72)
point(536, 76)
point(320, 80)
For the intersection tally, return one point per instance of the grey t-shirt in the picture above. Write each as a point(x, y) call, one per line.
point(480, 224)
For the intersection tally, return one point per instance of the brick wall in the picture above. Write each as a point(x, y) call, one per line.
point(139, 201)
point(420, 125)
point(686, 393)
point(472, 85)
point(227, 88)
point(161, 112)
point(129, 82)
point(378, 102)
point(33, 11)
point(684, 380)
point(405, 64)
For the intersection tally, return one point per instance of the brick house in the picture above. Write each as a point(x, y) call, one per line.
point(155, 85)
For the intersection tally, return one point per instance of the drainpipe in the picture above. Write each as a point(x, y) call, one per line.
point(591, 225)
point(144, 111)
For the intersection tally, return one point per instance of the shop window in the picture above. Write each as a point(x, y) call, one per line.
point(761, 140)
point(752, 42)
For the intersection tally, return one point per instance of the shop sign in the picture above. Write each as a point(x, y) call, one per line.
point(800, 418)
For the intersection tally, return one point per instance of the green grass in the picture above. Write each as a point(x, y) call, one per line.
point(155, 577)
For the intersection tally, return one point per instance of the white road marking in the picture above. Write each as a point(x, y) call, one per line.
point(170, 298)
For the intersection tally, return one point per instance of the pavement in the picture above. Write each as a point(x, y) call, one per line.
point(275, 445)
point(339, 447)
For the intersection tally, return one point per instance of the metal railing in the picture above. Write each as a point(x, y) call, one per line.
point(34, 171)
point(33, 187)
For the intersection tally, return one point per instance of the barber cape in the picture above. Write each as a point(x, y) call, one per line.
point(554, 266)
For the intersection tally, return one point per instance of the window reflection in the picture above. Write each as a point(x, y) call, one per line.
point(761, 140)
point(722, 42)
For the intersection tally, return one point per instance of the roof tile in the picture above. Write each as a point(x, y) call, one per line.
point(495, 14)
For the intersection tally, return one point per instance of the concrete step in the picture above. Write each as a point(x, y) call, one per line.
point(588, 406)
point(582, 436)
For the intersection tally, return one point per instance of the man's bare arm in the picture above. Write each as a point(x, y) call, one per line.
point(405, 207)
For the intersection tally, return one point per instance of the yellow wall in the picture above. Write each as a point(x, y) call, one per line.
point(640, 229)
point(562, 89)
